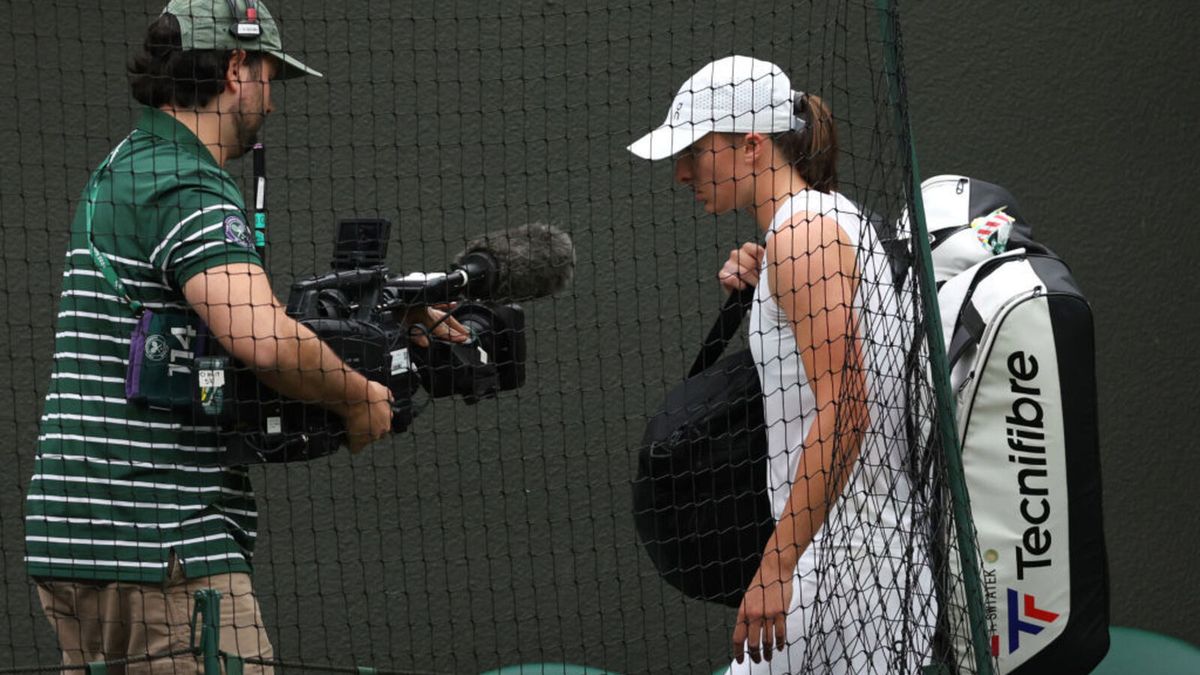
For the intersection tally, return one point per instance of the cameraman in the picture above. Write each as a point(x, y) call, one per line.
point(131, 508)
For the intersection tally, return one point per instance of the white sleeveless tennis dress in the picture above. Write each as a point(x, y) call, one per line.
point(862, 599)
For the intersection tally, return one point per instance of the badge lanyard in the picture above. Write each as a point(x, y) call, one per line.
point(89, 209)
point(106, 269)
point(260, 201)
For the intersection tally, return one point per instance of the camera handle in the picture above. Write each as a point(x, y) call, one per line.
point(303, 300)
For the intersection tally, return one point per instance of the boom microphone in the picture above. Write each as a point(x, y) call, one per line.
point(527, 262)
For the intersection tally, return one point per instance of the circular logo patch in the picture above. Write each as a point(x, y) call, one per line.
point(157, 348)
point(237, 232)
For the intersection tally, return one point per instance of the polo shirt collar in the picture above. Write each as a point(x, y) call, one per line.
point(166, 127)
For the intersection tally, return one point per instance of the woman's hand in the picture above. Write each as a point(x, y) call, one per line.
point(741, 270)
point(437, 321)
point(762, 618)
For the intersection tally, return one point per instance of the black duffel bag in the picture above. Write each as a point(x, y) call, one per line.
point(700, 500)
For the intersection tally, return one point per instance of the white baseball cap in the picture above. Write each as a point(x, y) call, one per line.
point(737, 94)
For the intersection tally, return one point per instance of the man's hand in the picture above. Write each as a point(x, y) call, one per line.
point(370, 420)
point(437, 321)
point(741, 270)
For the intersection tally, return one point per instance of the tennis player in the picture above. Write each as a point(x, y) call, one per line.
point(843, 586)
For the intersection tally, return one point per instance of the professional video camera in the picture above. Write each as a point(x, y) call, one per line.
point(360, 308)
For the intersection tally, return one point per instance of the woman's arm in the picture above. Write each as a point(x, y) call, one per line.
point(811, 269)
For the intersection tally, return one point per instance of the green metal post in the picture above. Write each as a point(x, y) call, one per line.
point(948, 434)
point(97, 668)
point(208, 607)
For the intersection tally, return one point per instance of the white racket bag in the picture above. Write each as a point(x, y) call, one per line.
point(1020, 342)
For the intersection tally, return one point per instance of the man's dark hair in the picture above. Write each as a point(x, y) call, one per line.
point(161, 73)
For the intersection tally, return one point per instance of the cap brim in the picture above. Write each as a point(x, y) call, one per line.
point(293, 68)
point(667, 141)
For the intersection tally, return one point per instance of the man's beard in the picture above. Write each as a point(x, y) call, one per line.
point(246, 127)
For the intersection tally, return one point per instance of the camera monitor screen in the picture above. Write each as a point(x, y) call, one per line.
point(360, 242)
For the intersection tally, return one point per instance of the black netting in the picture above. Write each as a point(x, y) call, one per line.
point(495, 527)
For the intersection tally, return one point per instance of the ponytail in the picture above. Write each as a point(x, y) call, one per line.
point(814, 148)
point(819, 165)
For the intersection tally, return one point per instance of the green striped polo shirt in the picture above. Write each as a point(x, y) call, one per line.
point(119, 487)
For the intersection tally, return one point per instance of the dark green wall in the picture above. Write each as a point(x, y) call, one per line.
point(500, 533)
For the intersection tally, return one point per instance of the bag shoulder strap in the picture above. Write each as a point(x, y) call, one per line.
point(723, 330)
point(967, 334)
point(970, 325)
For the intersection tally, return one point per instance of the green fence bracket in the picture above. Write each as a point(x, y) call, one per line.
point(367, 670)
point(948, 433)
point(208, 610)
point(97, 668)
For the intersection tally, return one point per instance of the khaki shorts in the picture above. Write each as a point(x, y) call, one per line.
point(100, 620)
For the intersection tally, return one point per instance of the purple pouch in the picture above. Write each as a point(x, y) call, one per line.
point(162, 352)
point(137, 355)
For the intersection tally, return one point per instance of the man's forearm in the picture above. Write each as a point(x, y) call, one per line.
point(298, 365)
point(237, 304)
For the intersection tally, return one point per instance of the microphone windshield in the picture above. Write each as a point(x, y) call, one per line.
point(532, 261)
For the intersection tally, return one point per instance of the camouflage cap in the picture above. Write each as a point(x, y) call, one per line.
point(233, 24)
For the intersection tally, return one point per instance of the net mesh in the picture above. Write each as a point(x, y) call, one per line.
point(486, 534)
